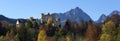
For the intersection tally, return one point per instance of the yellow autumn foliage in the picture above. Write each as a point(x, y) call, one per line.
point(68, 38)
point(41, 35)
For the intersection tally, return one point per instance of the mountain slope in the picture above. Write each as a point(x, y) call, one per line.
point(115, 12)
point(74, 15)
point(9, 20)
point(102, 18)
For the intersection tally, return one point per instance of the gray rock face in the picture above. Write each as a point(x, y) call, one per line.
point(74, 15)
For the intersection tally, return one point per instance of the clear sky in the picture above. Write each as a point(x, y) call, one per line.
point(27, 8)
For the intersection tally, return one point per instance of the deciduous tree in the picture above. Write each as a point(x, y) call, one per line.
point(108, 32)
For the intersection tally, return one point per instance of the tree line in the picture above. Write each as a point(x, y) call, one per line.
point(32, 30)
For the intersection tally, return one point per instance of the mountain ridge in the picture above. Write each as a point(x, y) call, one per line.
point(104, 17)
point(75, 14)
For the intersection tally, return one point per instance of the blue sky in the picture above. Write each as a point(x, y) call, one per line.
point(27, 8)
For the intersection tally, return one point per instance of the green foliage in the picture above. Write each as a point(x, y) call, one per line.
point(118, 35)
point(1, 38)
point(72, 31)
point(58, 34)
point(105, 37)
point(22, 34)
point(108, 32)
point(28, 24)
point(26, 33)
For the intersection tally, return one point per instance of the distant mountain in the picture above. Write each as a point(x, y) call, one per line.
point(9, 20)
point(3, 17)
point(115, 12)
point(102, 18)
point(75, 14)
point(114, 18)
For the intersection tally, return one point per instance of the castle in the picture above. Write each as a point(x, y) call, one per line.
point(55, 21)
point(47, 16)
point(44, 19)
